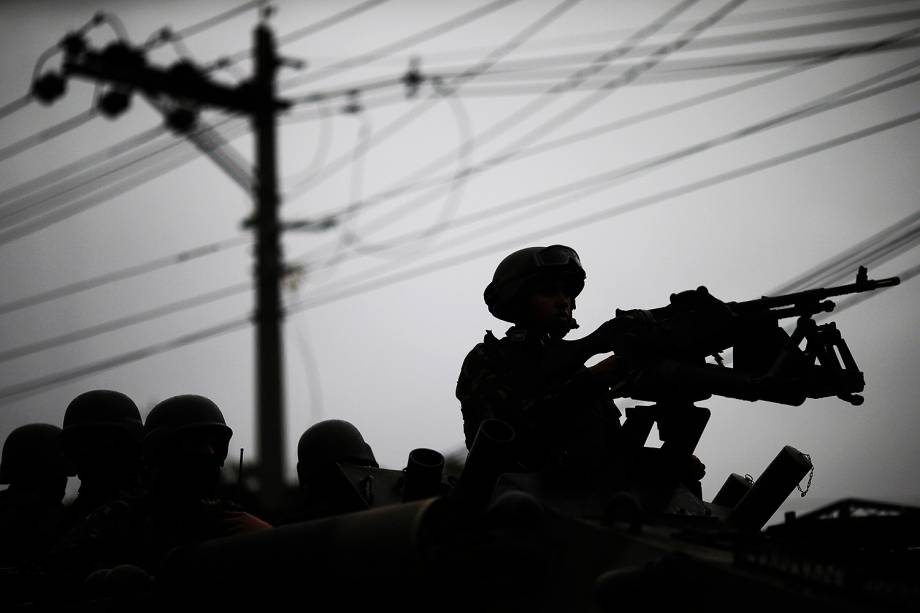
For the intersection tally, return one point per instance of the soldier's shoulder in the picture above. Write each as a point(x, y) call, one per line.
point(489, 349)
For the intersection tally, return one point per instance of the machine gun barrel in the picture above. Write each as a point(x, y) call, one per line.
point(812, 301)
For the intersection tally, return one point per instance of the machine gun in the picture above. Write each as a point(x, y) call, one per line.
point(668, 347)
point(668, 351)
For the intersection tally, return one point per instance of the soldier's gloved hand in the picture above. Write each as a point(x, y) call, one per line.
point(608, 336)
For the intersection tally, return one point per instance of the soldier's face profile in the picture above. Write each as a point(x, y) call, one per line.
point(549, 307)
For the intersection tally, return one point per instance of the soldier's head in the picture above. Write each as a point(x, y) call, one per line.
point(185, 445)
point(101, 436)
point(325, 444)
point(536, 288)
point(33, 464)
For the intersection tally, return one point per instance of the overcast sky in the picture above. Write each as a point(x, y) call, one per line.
point(722, 160)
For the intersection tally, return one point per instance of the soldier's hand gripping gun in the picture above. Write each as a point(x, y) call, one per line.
point(668, 347)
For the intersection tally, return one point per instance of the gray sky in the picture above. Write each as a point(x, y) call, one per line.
point(707, 177)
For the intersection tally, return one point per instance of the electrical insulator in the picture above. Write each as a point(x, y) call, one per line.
point(354, 103)
point(124, 57)
point(114, 102)
point(186, 72)
point(413, 78)
point(181, 120)
point(73, 44)
point(49, 87)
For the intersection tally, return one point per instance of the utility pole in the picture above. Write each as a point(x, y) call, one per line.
point(180, 91)
point(270, 382)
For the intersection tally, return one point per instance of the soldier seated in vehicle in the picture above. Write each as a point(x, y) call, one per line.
point(562, 412)
point(184, 448)
point(32, 517)
point(324, 488)
point(102, 438)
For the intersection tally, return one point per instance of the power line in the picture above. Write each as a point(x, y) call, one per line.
point(592, 184)
point(74, 208)
point(509, 155)
point(451, 199)
point(545, 127)
point(311, 369)
point(324, 142)
point(54, 176)
point(47, 134)
point(77, 186)
point(13, 200)
point(389, 48)
point(382, 281)
point(216, 20)
point(514, 119)
point(462, 119)
point(125, 273)
point(190, 30)
point(120, 177)
point(751, 17)
point(527, 65)
point(14, 105)
point(124, 322)
point(12, 392)
point(470, 73)
point(891, 241)
point(37, 385)
point(312, 28)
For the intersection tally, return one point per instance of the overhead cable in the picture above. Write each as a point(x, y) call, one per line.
point(36, 385)
point(313, 28)
point(363, 286)
point(892, 240)
point(822, 104)
point(398, 45)
point(124, 322)
point(514, 119)
point(14, 105)
point(842, 97)
point(470, 73)
point(47, 134)
point(546, 127)
point(181, 257)
point(19, 390)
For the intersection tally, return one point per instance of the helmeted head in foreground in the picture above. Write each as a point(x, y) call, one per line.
point(32, 460)
point(101, 437)
point(551, 272)
point(329, 442)
point(185, 445)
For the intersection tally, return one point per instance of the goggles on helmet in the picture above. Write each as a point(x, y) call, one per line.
point(556, 255)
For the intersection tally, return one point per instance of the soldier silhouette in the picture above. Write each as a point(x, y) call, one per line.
point(565, 422)
point(102, 438)
point(320, 450)
point(31, 514)
point(184, 447)
point(562, 412)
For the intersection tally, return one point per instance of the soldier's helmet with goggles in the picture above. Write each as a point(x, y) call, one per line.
point(525, 269)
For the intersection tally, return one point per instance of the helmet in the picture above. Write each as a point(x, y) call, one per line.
point(103, 409)
point(33, 450)
point(179, 413)
point(524, 267)
point(330, 441)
